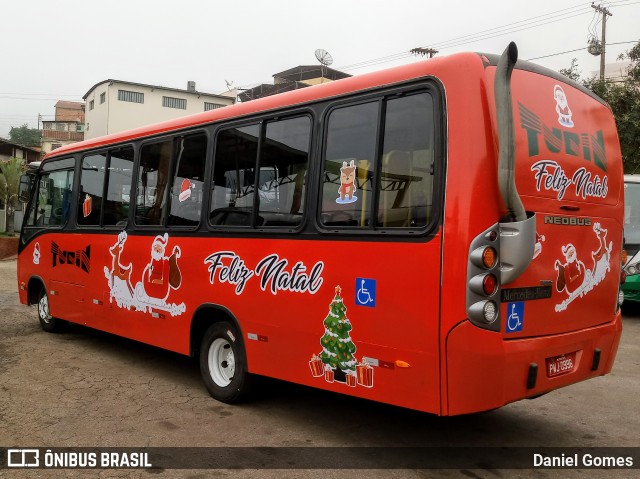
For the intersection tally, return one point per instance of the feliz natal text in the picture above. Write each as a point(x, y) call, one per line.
point(228, 267)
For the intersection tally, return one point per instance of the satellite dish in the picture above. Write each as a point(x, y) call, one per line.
point(324, 57)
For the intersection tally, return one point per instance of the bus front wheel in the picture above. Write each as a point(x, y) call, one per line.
point(223, 363)
point(47, 322)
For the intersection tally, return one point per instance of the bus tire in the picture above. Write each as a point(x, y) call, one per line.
point(47, 322)
point(223, 363)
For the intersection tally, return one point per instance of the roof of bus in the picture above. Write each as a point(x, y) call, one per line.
point(302, 96)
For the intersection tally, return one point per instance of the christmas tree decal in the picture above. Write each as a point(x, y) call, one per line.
point(337, 346)
point(336, 361)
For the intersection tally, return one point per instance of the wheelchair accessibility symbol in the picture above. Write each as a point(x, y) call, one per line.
point(515, 317)
point(366, 292)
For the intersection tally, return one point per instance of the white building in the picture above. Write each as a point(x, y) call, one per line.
point(114, 105)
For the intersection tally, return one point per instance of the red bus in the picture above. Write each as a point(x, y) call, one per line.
point(444, 236)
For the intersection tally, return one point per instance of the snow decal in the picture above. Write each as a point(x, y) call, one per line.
point(336, 362)
point(159, 277)
point(573, 276)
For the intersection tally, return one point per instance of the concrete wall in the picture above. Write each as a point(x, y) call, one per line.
point(115, 115)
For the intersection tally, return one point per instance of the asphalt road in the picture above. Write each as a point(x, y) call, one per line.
point(85, 388)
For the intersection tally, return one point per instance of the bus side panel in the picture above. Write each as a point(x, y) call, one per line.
point(395, 335)
point(147, 288)
point(473, 201)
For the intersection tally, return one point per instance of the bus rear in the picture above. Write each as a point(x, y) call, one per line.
point(542, 290)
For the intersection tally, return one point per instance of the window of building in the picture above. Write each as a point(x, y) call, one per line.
point(103, 97)
point(131, 96)
point(211, 106)
point(55, 146)
point(392, 187)
point(79, 127)
point(279, 178)
point(46, 125)
point(170, 102)
point(91, 105)
point(61, 126)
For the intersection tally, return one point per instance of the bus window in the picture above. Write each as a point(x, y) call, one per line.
point(116, 205)
point(283, 168)
point(91, 189)
point(349, 164)
point(406, 176)
point(153, 174)
point(186, 191)
point(54, 198)
point(234, 167)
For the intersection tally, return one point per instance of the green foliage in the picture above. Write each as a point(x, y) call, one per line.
point(624, 99)
point(10, 173)
point(572, 72)
point(25, 136)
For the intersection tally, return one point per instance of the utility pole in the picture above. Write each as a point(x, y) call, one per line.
point(605, 13)
point(424, 51)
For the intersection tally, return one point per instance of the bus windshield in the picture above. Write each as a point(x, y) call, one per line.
point(632, 213)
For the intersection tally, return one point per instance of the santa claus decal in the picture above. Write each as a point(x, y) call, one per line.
point(159, 277)
point(574, 277)
point(562, 107)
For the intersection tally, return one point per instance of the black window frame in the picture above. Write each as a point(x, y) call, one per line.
point(262, 120)
point(47, 168)
point(105, 186)
point(172, 171)
point(428, 85)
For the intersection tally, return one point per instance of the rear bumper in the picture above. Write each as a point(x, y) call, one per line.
point(484, 371)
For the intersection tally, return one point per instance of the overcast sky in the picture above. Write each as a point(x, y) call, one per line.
point(57, 50)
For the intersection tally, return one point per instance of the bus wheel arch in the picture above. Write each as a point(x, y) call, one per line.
point(37, 294)
point(218, 344)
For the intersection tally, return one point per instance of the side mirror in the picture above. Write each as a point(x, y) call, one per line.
point(24, 190)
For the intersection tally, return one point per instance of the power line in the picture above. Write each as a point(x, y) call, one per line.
point(525, 24)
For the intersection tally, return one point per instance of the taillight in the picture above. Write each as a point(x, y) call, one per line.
point(490, 312)
point(483, 280)
point(489, 257)
point(489, 284)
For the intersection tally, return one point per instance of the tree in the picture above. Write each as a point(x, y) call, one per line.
point(572, 72)
point(25, 136)
point(10, 173)
point(337, 346)
point(624, 99)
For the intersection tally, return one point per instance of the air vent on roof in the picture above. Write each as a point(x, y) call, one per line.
point(191, 86)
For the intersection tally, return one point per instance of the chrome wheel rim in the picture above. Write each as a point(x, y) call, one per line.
point(43, 309)
point(222, 362)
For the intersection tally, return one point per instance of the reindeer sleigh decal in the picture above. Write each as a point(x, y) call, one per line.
point(573, 275)
point(159, 277)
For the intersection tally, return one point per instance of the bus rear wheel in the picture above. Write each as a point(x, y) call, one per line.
point(47, 322)
point(223, 363)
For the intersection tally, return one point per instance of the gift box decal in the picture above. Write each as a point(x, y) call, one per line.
point(317, 368)
point(365, 375)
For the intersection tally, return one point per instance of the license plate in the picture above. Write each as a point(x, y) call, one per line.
point(561, 364)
